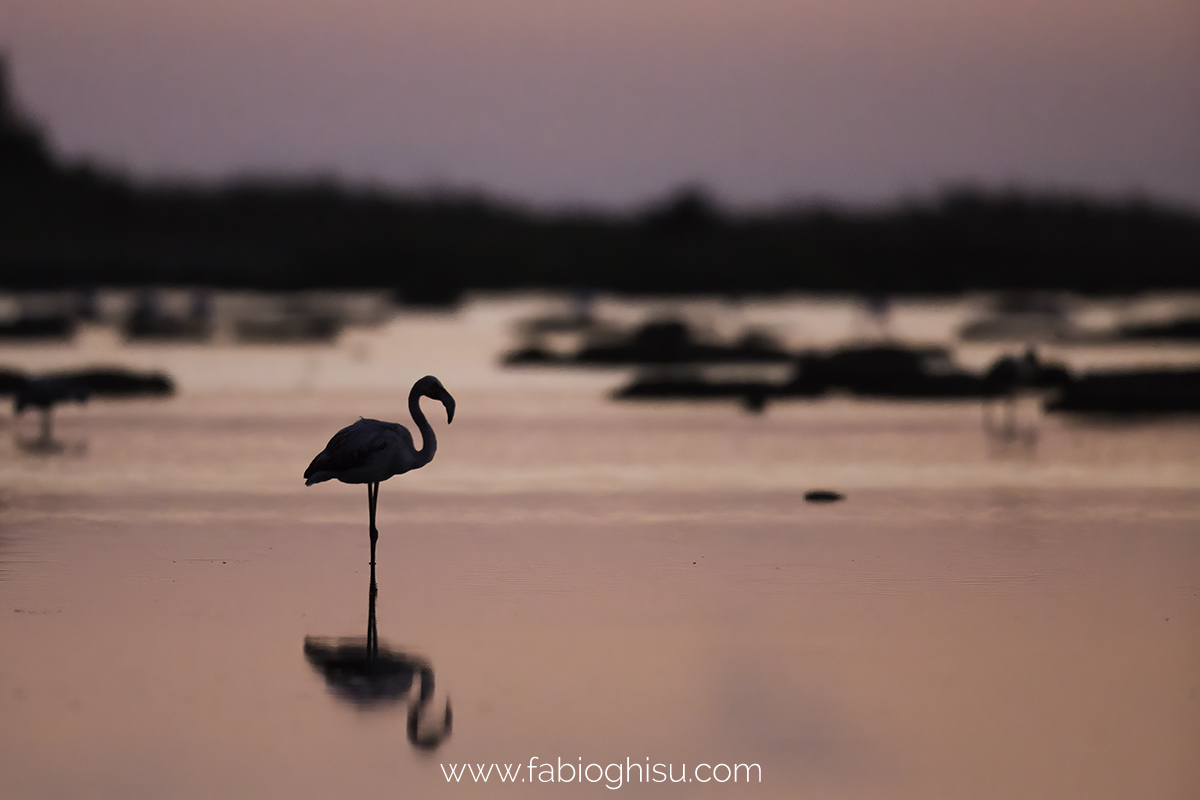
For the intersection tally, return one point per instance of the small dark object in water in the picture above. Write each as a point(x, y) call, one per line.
point(755, 401)
point(823, 496)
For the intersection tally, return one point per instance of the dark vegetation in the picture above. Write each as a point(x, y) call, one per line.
point(1132, 391)
point(898, 372)
point(78, 225)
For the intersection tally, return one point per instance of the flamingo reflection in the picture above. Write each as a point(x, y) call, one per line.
point(371, 676)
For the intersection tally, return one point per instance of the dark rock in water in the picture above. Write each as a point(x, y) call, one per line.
point(755, 401)
point(823, 496)
point(1132, 392)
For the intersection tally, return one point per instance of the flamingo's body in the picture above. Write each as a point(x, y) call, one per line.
point(370, 451)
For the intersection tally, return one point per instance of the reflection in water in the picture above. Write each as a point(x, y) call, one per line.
point(369, 676)
point(1018, 427)
point(43, 445)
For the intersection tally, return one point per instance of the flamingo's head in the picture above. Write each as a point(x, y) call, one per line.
point(430, 386)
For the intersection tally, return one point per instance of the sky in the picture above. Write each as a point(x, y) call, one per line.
point(613, 103)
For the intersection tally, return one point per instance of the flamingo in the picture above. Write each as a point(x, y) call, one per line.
point(1008, 378)
point(370, 451)
point(45, 393)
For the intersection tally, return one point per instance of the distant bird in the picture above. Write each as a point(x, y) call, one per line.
point(370, 451)
point(44, 394)
point(1008, 378)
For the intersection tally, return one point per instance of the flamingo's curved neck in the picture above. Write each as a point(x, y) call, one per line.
point(428, 440)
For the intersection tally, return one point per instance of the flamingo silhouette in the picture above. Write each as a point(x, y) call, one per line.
point(1008, 378)
point(44, 394)
point(370, 451)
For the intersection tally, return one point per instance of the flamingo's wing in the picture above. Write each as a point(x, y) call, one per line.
point(350, 447)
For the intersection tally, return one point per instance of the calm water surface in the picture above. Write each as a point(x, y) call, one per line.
point(590, 582)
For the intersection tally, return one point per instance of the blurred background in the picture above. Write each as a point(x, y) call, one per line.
point(827, 378)
point(435, 148)
point(252, 174)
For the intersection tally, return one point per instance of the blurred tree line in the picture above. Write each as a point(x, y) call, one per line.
point(77, 225)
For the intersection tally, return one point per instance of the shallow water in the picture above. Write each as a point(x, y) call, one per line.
point(591, 582)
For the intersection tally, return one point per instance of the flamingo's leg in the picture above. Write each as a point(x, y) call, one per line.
point(372, 499)
point(372, 630)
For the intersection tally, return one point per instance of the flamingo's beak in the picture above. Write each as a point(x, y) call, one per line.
point(448, 402)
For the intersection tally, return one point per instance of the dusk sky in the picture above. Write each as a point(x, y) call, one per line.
point(616, 102)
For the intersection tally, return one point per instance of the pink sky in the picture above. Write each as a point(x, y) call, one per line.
point(613, 102)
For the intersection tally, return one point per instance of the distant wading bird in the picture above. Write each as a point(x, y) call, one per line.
point(44, 394)
point(1010, 377)
point(370, 451)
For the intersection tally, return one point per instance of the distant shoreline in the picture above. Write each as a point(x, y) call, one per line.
point(78, 226)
